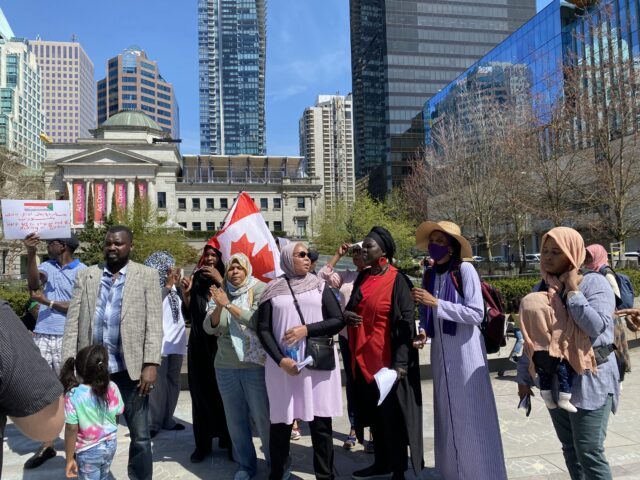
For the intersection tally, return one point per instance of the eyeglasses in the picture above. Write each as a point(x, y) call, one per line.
point(52, 242)
point(301, 254)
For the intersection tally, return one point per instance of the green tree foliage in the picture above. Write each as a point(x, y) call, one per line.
point(351, 224)
point(150, 234)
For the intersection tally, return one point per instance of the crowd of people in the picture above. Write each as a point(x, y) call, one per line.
point(110, 339)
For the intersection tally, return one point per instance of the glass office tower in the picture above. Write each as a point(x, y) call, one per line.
point(402, 53)
point(538, 53)
point(232, 54)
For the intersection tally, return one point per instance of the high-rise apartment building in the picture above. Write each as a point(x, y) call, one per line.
point(232, 53)
point(21, 115)
point(133, 82)
point(68, 89)
point(402, 53)
point(326, 143)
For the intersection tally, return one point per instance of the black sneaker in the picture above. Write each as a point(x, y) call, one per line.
point(373, 471)
point(198, 455)
point(40, 457)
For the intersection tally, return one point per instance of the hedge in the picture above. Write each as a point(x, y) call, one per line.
point(16, 298)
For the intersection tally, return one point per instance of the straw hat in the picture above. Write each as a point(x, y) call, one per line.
point(450, 228)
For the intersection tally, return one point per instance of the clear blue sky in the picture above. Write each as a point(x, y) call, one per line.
point(308, 51)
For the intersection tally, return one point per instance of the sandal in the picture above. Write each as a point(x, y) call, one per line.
point(350, 442)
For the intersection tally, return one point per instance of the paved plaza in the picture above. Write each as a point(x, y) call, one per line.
point(531, 448)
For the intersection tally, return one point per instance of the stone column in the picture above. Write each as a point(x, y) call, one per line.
point(131, 191)
point(70, 190)
point(110, 189)
point(151, 192)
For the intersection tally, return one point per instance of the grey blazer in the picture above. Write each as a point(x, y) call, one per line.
point(141, 316)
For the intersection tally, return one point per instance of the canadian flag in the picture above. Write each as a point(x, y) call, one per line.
point(245, 231)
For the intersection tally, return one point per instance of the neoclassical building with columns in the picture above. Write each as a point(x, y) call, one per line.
point(130, 151)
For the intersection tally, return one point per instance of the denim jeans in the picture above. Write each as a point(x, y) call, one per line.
point(564, 374)
point(244, 395)
point(136, 414)
point(95, 462)
point(582, 436)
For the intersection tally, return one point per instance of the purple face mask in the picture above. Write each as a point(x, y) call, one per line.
point(438, 252)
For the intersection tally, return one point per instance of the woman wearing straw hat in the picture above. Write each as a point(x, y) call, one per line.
point(467, 433)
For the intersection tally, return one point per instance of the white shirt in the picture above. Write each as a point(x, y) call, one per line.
point(174, 341)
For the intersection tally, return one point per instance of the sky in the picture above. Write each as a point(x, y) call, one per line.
point(308, 50)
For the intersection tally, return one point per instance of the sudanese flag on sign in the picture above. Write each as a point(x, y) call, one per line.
point(245, 231)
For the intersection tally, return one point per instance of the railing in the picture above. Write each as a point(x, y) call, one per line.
point(241, 180)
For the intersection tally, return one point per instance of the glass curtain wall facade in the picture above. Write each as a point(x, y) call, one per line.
point(232, 56)
point(402, 53)
point(22, 117)
point(531, 65)
point(134, 82)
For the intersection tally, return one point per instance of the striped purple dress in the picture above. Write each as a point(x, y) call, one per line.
point(467, 433)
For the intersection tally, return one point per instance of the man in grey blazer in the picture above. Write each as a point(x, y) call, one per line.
point(119, 305)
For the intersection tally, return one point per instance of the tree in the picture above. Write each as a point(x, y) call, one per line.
point(344, 224)
point(150, 234)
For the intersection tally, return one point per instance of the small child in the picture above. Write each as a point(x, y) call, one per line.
point(91, 406)
point(555, 347)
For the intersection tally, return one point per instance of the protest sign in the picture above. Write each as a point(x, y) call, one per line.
point(49, 219)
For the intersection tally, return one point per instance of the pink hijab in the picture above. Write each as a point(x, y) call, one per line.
point(599, 257)
point(554, 329)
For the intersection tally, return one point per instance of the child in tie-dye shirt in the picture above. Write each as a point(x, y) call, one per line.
point(92, 404)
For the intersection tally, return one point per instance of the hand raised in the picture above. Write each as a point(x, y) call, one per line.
point(186, 284)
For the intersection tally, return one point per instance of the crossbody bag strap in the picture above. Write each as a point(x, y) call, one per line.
point(295, 302)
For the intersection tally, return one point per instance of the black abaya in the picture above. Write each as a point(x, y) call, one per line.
point(207, 409)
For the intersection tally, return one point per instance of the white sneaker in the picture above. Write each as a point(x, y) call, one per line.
point(548, 399)
point(564, 402)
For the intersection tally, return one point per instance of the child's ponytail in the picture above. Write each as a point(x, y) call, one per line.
point(92, 364)
point(68, 374)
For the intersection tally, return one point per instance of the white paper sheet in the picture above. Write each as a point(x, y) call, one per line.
point(304, 363)
point(47, 218)
point(385, 378)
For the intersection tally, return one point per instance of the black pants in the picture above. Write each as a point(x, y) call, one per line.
point(390, 439)
point(321, 439)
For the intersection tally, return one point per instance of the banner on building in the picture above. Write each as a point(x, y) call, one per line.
point(49, 219)
point(79, 209)
point(100, 201)
point(141, 185)
point(121, 195)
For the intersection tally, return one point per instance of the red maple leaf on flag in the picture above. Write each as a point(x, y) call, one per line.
point(262, 262)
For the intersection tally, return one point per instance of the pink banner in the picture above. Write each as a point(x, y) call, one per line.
point(141, 185)
point(121, 195)
point(100, 204)
point(78, 203)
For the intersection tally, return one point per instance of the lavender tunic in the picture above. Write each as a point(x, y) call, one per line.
point(467, 433)
point(312, 393)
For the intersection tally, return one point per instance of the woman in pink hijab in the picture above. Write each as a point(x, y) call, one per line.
point(589, 302)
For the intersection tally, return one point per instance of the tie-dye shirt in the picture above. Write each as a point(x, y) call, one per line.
point(95, 422)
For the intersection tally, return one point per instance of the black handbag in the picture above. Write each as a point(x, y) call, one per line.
point(320, 349)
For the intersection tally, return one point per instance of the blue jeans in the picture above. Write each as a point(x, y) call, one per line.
point(136, 413)
point(244, 395)
point(582, 436)
point(95, 462)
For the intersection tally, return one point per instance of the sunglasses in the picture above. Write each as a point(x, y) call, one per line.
point(301, 254)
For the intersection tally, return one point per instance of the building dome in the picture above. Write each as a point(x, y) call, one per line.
point(131, 118)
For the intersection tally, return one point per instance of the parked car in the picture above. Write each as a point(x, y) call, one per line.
point(532, 257)
point(499, 259)
point(478, 258)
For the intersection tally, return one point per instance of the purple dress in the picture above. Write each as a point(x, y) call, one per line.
point(312, 392)
point(467, 433)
